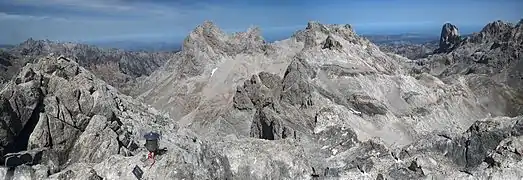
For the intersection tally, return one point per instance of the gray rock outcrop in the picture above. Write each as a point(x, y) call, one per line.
point(9, 66)
point(449, 38)
point(491, 63)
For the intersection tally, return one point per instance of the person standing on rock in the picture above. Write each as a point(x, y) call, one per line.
point(151, 144)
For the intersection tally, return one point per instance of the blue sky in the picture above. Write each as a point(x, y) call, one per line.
point(85, 20)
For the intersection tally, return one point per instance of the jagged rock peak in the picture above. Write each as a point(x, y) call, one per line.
point(316, 33)
point(449, 38)
point(317, 26)
point(203, 36)
point(449, 27)
point(496, 27)
point(206, 30)
point(208, 37)
point(207, 27)
point(254, 30)
point(249, 41)
point(30, 40)
point(252, 33)
point(496, 31)
point(207, 44)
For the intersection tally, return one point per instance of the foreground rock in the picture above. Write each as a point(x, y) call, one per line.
point(75, 126)
point(80, 121)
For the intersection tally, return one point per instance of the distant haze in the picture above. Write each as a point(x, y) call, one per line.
point(170, 21)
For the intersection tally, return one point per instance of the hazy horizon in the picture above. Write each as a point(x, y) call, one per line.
point(268, 36)
point(167, 21)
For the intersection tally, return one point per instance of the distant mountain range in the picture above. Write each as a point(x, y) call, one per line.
point(166, 46)
point(127, 45)
point(116, 66)
point(131, 45)
point(406, 38)
point(172, 44)
point(410, 45)
point(4, 46)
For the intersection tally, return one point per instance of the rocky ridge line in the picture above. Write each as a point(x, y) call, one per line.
point(117, 67)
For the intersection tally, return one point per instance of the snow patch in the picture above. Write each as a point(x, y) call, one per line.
point(213, 70)
point(354, 111)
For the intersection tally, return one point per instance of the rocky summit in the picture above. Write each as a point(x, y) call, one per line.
point(323, 104)
point(449, 39)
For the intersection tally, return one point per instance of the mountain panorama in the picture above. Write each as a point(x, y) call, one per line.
point(324, 103)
